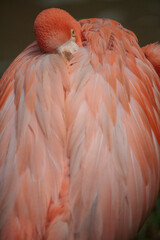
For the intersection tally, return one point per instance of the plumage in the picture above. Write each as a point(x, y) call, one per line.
point(80, 138)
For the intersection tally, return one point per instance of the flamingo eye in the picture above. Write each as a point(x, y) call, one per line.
point(73, 34)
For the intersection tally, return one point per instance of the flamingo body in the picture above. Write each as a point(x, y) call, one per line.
point(80, 140)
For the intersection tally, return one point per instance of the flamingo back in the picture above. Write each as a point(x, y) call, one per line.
point(80, 141)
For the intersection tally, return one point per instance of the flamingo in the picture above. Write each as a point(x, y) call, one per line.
point(79, 132)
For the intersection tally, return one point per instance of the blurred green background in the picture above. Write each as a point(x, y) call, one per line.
point(142, 17)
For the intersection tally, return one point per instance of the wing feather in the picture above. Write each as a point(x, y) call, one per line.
point(113, 135)
point(81, 142)
point(32, 143)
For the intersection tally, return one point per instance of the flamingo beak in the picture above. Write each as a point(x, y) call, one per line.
point(67, 50)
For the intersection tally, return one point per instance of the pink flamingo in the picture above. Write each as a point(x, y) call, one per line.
point(79, 132)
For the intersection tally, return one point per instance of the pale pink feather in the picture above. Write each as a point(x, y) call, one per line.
point(80, 143)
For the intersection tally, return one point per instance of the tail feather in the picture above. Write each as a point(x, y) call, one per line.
point(152, 53)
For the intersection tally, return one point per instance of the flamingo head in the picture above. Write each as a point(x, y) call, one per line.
point(57, 30)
